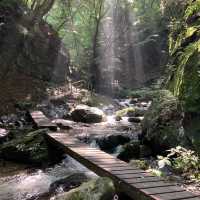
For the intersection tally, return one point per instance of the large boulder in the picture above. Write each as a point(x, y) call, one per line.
point(86, 114)
point(97, 189)
point(129, 151)
point(31, 148)
point(110, 142)
point(162, 125)
point(73, 180)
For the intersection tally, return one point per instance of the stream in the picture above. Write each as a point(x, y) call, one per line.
point(20, 182)
point(28, 184)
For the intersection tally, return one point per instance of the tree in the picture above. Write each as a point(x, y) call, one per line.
point(38, 9)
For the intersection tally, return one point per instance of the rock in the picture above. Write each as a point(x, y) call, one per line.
point(162, 124)
point(130, 111)
point(140, 112)
point(3, 135)
point(145, 151)
point(69, 182)
point(129, 151)
point(135, 119)
point(31, 148)
point(118, 118)
point(97, 189)
point(86, 114)
point(64, 124)
point(133, 101)
point(165, 167)
point(111, 141)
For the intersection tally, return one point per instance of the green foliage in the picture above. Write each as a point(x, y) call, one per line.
point(9, 3)
point(184, 161)
point(142, 164)
point(192, 9)
point(157, 172)
point(76, 23)
point(184, 48)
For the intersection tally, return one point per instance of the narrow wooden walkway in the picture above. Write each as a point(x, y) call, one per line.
point(41, 121)
point(134, 182)
point(131, 180)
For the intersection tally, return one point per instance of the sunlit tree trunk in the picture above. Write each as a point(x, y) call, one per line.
point(94, 69)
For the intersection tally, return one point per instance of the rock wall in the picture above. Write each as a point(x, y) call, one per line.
point(184, 80)
point(30, 56)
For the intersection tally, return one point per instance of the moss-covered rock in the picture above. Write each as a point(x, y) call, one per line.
point(129, 151)
point(31, 148)
point(98, 189)
point(185, 53)
point(87, 114)
point(162, 124)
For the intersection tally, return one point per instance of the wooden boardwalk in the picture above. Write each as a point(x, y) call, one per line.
point(131, 180)
point(41, 121)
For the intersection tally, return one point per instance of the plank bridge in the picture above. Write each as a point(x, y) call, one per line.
point(136, 183)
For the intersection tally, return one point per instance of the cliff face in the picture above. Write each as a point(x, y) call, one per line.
point(30, 57)
point(184, 80)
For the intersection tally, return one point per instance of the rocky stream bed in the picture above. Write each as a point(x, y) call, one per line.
point(47, 174)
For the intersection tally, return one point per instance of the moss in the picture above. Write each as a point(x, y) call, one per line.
point(31, 148)
point(184, 48)
point(97, 189)
point(162, 124)
point(142, 164)
point(124, 112)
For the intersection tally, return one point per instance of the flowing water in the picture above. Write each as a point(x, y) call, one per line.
point(19, 182)
point(27, 185)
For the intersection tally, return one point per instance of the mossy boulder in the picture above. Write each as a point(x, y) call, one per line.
point(87, 114)
point(162, 125)
point(97, 189)
point(184, 45)
point(129, 151)
point(110, 142)
point(31, 148)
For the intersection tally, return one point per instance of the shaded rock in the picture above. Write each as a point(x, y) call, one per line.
point(64, 124)
point(69, 182)
point(97, 189)
point(129, 151)
point(145, 151)
point(111, 141)
point(86, 114)
point(31, 148)
point(133, 101)
point(162, 125)
point(135, 119)
point(140, 112)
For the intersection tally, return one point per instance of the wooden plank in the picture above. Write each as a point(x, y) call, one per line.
point(145, 179)
point(113, 169)
point(132, 171)
point(152, 184)
point(161, 190)
point(41, 121)
point(175, 195)
point(133, 176)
